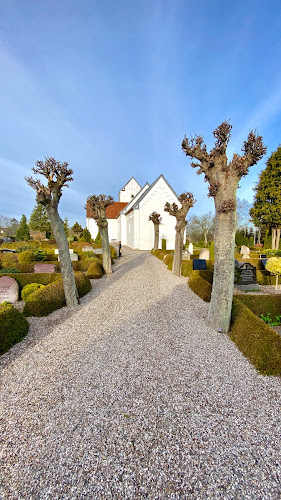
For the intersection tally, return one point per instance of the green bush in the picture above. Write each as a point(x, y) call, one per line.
point(26, 256)
point(9, 270)
point(50, 298)
point(13, 326)
point(161, 255)
point(29, 289)
point(186, 267)
point(95, 270)
point(9, 260)
point(200, 286)
point(40, 255)
point(26, 267)
point(263, 277)
point(164, 244)
point(257, 341)
point(27, 278)
point(157, 252)
point(168, 258)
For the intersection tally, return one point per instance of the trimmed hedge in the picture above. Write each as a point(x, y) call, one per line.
point(50, 298)
point(255, 339)
point(200, 286)
point(95, 270)
point(24, 279)
point(186, 267)
point(13, 326)
point(262, 304)
point(157, 252)
point(26, 256)
point(206, 275)
point(161, 255)
point(168, 258)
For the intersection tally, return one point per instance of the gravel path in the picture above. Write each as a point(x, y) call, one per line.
point(131, 396)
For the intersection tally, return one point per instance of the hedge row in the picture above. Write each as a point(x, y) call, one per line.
point(13, 326)
point(253, 337)
point(50, 298)
point(95, 270)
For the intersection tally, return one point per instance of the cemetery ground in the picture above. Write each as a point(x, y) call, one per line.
point(131, 395)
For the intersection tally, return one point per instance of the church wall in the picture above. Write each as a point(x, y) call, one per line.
point(129, 191)
point(130, 230)
point(112, 228)
point(155, 201)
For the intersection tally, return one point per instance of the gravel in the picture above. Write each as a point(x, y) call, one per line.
point(131, 395)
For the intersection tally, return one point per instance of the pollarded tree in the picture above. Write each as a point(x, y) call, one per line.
point(58, 175)
point(23, 233)
point(186, 201)
point(97, 205)
point(156, 219)
point(223, 177)
point(266, 211)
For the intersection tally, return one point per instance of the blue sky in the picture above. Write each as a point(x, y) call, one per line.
point(112, 87)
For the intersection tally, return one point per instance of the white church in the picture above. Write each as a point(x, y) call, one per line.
point(128, 218)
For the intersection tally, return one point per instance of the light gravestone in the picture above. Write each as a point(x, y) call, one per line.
point(186, 255)
point(44, 268)
point(73, 256)
point(245, 251)
point(9, 290)
point(204, 254)
point(88, 248)
point(190, 248)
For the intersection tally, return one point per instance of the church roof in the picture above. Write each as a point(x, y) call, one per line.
point(136, 204)
point(112, 211)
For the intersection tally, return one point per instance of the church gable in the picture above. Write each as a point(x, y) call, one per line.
point(129, 191)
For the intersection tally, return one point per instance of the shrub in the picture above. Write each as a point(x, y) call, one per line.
point(206, 275)
point(273, 265)
point(9, 270)
point(26, 267)
point(262, 304)
point(168, 258)
point(27, 278)
point(50, 298)
point(200, 286)
point(257, 341)
point(258, 246)
point(186, 267)
point(164, 244)
point(157, 252)
point(26, 256)
point(9, 260)
point(263, 277)
point(29, 289)
point(95, 270)
point(13, 326)
point(40, 255)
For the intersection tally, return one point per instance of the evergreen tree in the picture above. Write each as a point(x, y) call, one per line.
point(77, 228)
point(38, 220)
point(266, 211)
point(86, 236)
point(22, 233)
point(66, 227)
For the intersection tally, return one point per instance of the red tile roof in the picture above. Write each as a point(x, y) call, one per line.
point(112, 211)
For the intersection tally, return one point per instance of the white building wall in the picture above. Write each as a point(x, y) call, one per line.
point(112, 228)
point(155, 201)
point(129, 191)
point(130, 230)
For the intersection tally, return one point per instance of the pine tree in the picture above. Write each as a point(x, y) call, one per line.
point(266, 211)
point(22, 233)
point(38, 220)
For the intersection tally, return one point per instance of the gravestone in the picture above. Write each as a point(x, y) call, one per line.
point(262, 256)
point(88, 248)
point(199, 265)
point(57, 251)
point(204, 254)
point(44, 268)
point(246, 275)
point(186, 255)
point(264, 261)
point(8, 250)
point(98, 251)
point(245, 251)
point(73, 256)
point(190, 248)
point(9, 290)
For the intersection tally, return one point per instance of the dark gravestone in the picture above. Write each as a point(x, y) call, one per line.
point(236, 263)
point(262, 256)
point(8, 250)
point(264, 261)
point(199, 265)
point(245, 274)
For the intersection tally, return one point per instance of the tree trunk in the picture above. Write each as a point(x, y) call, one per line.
point(205, 238)
point(223, 281)
point(69, 285)
point(273, 234)
point(277, 238)
point(176, 269)
point(106, 257)
point(156, 237)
